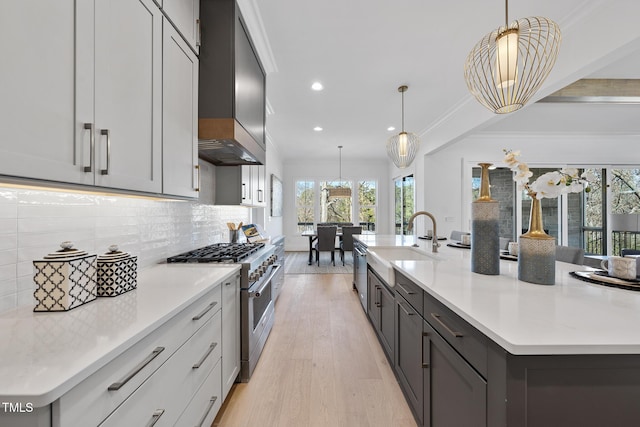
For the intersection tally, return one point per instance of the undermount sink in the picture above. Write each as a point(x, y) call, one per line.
point(379, 259)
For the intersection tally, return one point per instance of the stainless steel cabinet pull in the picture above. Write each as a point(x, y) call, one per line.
point(209, 350)
point(155, 417)
point(212, 402)
point(107, 133)
point(260, 196)
point(92, 146)
point(117, 385)
point(405, 310)
point(376, 302)
point(424, 365)
point(405, 290)
point(244, 191)
point(444, 325)
point(205, 311)
point(197, 186)
point(198, 33)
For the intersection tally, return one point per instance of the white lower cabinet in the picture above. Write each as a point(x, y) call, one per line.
point(230, 334)
point(174, 373)
point(206, 403)
point(163, 397)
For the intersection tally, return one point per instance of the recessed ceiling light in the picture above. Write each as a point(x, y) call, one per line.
point(317, 128)
point(391, 128)
point(317, 86)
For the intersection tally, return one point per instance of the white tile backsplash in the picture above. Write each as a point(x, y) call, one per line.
point(34, 222)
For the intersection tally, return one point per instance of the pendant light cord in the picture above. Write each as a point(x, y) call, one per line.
point(402, 110)
point(506, 13)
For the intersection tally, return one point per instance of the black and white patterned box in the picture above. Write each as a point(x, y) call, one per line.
point(117, 273)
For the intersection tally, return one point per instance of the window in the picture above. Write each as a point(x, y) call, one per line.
point(367, 203)
point(305, 196)
point(337, 202)
point(625, 209)
point(404, 203)
point(335, 206)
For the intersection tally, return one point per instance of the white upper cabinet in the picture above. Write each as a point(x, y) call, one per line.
point(179, 116)
point(40, 134)
point(86, 106)
point(185, 14)
point(128, 94)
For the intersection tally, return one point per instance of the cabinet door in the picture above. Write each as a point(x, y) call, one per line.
point(230, 333)
point(185, 15)
point(128, 94)
point(247, 187)
point(41, 136)
point(179, 116)
point(260, 186)
point(408, 351)
point(455, 394)
point(387, 321)
point(373, 304)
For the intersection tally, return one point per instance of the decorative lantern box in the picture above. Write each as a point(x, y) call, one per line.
point(64, 279)
point(117, 273)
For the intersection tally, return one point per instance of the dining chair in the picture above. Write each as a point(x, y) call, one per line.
point(456, 235)
point(346, 243)
point(626, 251)
point(504, 243)
point(570, 255)
point(326, 242)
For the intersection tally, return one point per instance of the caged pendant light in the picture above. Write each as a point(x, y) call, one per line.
point(402, 148)
point(507, 66)
point(340, 192)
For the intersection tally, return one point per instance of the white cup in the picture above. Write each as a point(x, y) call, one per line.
point(513, 248)
point(466, 239)
point(637, 258)
point(617, 266)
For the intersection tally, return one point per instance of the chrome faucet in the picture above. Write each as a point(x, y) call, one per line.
point(434, 240)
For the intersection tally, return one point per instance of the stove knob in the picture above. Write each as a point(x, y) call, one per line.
point(254, 276)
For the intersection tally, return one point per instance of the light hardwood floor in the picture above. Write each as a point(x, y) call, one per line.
point(322, 365)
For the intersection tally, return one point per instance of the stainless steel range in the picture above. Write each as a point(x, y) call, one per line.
point(259, 266)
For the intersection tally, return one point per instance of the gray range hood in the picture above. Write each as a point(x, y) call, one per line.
point(231, 96)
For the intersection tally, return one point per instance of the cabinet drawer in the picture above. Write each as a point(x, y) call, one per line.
point(168, 391)
point(204, 406)
point(92, 400)
point(410, 291)
point(468, 341)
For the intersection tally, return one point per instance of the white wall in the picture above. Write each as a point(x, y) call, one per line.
point(273, 225)
point(352, 170)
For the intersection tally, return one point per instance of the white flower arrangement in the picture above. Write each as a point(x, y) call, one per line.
point(551, 184)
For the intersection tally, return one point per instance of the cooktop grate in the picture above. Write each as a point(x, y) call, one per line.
point(219, 252)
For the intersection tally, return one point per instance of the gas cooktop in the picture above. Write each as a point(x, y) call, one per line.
point(219, 252)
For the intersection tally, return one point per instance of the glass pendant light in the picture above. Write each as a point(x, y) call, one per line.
point(508, 66)
point(402, 148)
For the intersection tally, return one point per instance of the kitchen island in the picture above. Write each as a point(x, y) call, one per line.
point(76, 367)
point(502, 352)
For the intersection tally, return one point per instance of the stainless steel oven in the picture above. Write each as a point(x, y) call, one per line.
point(258, 268)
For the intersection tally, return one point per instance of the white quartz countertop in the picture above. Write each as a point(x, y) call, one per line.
point(43, 355)
point(570, 317)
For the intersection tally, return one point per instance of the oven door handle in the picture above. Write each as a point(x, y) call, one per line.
point(256, 294)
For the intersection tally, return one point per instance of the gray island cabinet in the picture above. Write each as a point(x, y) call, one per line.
point(471, 350)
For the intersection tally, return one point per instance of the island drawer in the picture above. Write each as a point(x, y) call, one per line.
point(468, 341)
point(409, 291)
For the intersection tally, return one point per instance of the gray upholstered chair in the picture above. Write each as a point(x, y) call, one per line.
point(326, 242)
point(504, 243)
point(457, 235)
point(346, 243)
point(625, 252)
point(570, 255)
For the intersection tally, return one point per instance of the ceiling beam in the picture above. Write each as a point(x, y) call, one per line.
point(600, 91)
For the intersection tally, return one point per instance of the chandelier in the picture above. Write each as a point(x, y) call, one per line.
point(402, 148)
point(508, 65)
point(340, 192)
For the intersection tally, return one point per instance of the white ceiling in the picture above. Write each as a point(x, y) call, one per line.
point(362, 50)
